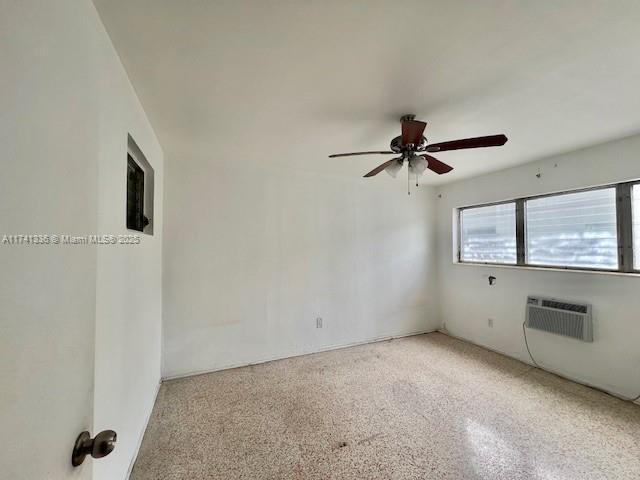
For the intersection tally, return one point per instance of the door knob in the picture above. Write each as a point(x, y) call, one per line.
point(99, 446)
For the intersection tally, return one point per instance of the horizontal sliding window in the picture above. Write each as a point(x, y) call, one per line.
point(588, 229)
point(488, 234)
point(573, 230)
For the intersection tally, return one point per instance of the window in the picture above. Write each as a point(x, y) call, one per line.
point(140, 182)
point(635, 195)
point(590, 229)
point(488, 234)
point(573, 230)
point(135, 196)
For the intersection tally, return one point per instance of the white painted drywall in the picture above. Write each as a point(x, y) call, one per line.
point(252, 258)
point(129, 277)
point(73, 318)
point(467, 301)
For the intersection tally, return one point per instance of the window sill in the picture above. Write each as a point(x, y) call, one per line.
point(547, 269)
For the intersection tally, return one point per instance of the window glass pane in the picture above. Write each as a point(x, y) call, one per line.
point(488, 234)
point(573, 230)
point(135, 195)
point(635, 198)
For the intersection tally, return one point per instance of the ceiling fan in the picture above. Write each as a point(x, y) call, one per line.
point(413, 148)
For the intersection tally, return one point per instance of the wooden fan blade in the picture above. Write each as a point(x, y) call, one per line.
point(380, 168)
point(361, 153)
point(436, 165)
point(412, 131)
point(477, 142)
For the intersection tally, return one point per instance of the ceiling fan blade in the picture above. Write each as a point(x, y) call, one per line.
point(477, 142)
point(412, 131)
point(361, 153)
point(380, 168)
point(436, 165)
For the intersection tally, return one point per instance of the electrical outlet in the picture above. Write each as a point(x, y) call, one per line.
point(490, 322)
point(319, 322)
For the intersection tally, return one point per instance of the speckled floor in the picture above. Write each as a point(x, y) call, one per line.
point(423, 407)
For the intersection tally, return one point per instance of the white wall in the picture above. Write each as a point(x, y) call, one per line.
point(77, 323)
point(467, 301)
point(129, 277)
point(253, 257)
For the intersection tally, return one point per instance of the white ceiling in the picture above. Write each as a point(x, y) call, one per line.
point(282, 84)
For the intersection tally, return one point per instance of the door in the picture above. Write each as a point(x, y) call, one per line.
point(48, 176)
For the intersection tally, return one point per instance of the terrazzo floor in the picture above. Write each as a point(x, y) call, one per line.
point(422, 407)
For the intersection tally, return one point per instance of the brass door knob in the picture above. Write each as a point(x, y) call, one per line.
point(99, 446)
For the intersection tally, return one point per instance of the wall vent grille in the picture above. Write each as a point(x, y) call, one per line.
point(560, 317)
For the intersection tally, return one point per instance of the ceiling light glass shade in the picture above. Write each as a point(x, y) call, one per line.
point(394, 168)
point(417, 165)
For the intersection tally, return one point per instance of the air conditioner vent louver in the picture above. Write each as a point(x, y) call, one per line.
point(572, 307)
point(560, 317)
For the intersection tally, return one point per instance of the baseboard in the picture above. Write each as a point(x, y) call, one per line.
point(146, 424)
point(305, 352)
point(529, 362)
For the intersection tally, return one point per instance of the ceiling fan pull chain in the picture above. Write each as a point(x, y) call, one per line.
point(408, 182)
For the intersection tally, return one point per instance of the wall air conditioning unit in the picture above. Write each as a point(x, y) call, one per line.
point(560, 317)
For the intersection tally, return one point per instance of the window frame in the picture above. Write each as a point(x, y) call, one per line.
point(624, 230)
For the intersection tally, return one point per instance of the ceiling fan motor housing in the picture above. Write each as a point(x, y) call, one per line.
point(397, 146)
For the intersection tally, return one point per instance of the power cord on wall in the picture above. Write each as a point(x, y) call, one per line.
point(526, 343)
point(533, 360)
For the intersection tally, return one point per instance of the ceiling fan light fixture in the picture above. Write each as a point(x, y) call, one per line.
point(394, 168)
point(417, 165)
